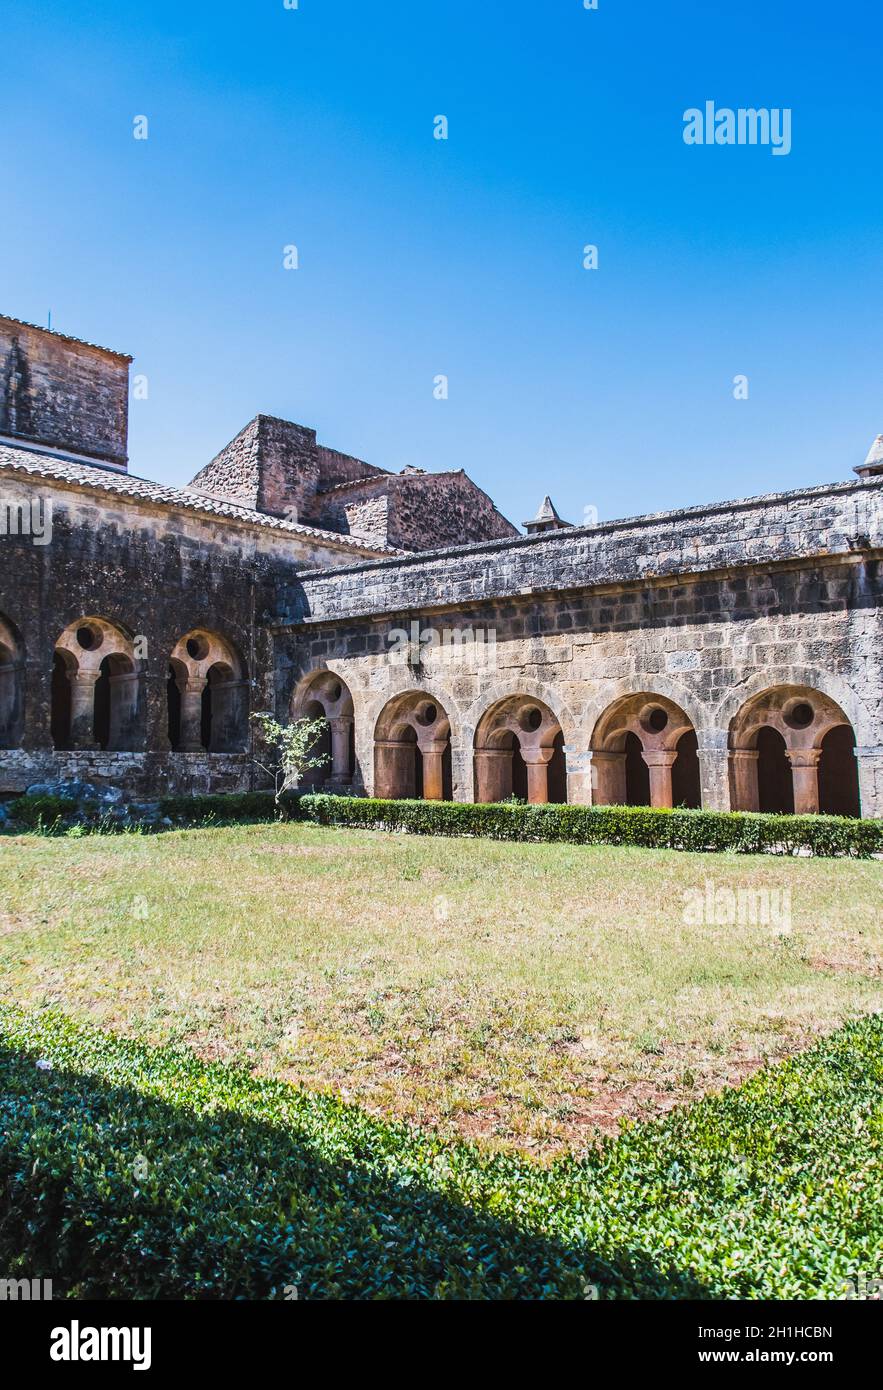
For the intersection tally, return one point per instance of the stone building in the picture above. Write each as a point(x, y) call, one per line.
point(727, 656)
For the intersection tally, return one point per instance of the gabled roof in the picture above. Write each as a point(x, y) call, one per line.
point(30, 462)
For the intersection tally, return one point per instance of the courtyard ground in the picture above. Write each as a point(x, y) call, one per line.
point(525, 995)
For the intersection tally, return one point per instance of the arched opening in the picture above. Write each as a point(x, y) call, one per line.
point(775, 790)
point(686, 784)
point(96, 689)
point(60, 710)
point(838, 774)
point(11, 687)
point(637, 773)
point(207, 696)
point(519, 752)
point(792, 749)
point(323, 695)
point(411, 741)
point(644, 753)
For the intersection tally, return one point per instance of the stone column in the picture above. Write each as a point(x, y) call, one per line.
point(191, 714)
point(433, 779)
point(608, 779)
point(493, 774)
point(82, 685)
point(340, 749)
point(537, 760)
point(394, 768)
point(743, 765)
point(870, 780)
point(660, 762)
point(714, 769)
point(805, 774)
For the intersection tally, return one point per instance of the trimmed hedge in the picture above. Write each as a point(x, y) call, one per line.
point(742, 831)
point(136, 1172)
point(221, 808)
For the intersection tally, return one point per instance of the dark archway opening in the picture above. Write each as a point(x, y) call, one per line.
point(838, 774)
point(60, 716)
point(557, 775)
point(519, 772)
point(686, 788)
point(447, 774)
point(637, 773)
point(173, 707)
point(318, 776)
point(775, 785)
point(101, 708)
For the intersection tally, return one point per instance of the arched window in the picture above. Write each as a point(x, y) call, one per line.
point(206, 696)
point(644, 753)
point(323, 695)
point(412, 749)
point(519, 751)
point(793, 749)
point(96, 688)
point(11, 686)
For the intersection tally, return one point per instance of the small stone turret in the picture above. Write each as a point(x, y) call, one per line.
point(873, 464)
point(546, 519)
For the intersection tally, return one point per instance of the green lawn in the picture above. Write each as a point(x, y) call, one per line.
point(525, 994)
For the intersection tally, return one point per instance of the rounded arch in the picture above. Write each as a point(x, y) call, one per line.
point(412, 748)
point(323, 694)
point(519, 751)
point(644, 753)
point(96, 697)
point(828, 684)
point(792, 748)
point(207, 695)
point(12, 662)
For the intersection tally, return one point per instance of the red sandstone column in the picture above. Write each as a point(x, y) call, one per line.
point(537, 763)
point(394, 768)
point(340, 749)
point(82, 685)
point(746, 796)
point(433, 781)
point(608, 779)
point(191, 714)
point(660, 762)
point(805, 775)
point(493, 774)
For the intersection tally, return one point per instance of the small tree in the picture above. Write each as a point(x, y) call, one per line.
point(289, 750)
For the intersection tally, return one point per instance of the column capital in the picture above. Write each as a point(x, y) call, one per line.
point(659, 757)
point(744, 755)
point(803, 757)
point(537, 757)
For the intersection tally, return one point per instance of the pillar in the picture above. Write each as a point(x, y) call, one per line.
point(608, 779)
point(805, 775)
point(433, 777)
point(493, 774)
point(191, 714)
point(82, 685)
point(870, 780)
point(340, 749)
point(714, 769)
point(660, 762)
point(394, 768)
point(743, 770)
point(537, 763)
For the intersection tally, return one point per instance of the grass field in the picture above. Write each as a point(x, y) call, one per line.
point(527, 995)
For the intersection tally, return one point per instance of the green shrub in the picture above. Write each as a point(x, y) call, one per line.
point(741, 831)
point(224, 807)
point(136, 1172)
point(41, 810)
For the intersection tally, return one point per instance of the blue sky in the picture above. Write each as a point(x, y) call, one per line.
point(610, 388)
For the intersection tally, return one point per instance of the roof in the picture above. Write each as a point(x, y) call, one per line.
point(66, 337)
point(34, 464)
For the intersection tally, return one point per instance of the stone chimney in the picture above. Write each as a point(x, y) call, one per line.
point(873, 464)
point(63, 395)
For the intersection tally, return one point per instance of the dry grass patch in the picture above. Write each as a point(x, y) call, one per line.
point(526, 994)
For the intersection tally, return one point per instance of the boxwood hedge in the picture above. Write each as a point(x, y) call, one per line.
point(139, 1172)
point(744, 832)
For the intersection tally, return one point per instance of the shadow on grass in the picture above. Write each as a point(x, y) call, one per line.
point(114, 1192)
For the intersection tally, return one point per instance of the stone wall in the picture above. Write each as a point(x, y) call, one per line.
point(705, 609)
point(63, 393)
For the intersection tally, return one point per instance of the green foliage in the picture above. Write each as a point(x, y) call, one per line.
point(288, 750)
point(136, 1172)
point(741, 831)
point(42, 811)
point(223, 808)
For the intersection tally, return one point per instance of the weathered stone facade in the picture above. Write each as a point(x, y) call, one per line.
point(727, 656)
